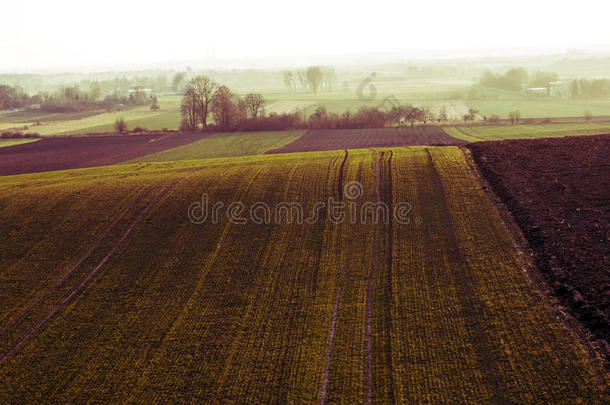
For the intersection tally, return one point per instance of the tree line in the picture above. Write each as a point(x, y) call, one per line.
point(312, 78)
point(514, 78)
point(13, 97)
point(74, 99)
point(206, 105)
point(595, 88)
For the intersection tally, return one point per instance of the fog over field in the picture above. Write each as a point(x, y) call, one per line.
point(271, 33)
point(315, 202)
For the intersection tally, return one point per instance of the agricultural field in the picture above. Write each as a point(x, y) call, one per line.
point(119, 289)
point(558, 191)
point(287, 107)
point(456, 95)
point(17, 141)
point(540, 107)
point(490, 132)
point(225, 145)
point(71, 152)
point(95, 121)
point(333, 139)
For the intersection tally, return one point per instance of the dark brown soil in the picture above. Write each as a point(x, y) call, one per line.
point(558, 191)
point(68, 152)
point(333, 139)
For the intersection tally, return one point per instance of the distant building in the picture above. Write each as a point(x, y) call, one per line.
point(560, 88)
point(141, 90)
point(537, 91)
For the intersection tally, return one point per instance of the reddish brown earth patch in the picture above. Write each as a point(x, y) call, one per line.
point(333, 139)
point(558, 191)
point(67, 152)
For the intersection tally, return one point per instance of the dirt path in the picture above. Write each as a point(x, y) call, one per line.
point(472, 305)
point(333, 324)
point(63, 303)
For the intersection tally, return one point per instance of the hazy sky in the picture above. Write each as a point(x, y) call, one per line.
point(71, 33)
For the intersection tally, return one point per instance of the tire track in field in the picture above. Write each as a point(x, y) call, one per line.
point(390, 204)
point(160, 352)
point(468, 134)
point(333, 324)
point(456, 257)
point(67, 299)
point(63, 278)
point(368, 335)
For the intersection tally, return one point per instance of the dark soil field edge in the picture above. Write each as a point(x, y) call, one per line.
point(337, 139)
point(556, 192)
point(77, 152)
point(537, 279)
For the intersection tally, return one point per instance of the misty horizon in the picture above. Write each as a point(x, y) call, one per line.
point(270, 34)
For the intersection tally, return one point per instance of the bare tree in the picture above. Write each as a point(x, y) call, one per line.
point(120, 125)
point(413, 114)
point(588, 116)
point(472, 113)
point(314, 77)
point(154, 104)
point(203, 88)
point(226, 112)
point(442, 113)
point(301, 75)
point(177, 81)
point(188, 108)
point(254, 102)
point(426, 113)
point(329, 77)
point(514, 117)
point(289, 81)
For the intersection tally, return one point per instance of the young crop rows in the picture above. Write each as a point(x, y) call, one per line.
point(113, 295)
point(333, 139)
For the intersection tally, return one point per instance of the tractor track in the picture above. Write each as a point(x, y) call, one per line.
point(368, 335)
point(82, 284)
point(63, 278)
point(333, 324)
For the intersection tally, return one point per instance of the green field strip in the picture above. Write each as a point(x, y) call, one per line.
point(225, 145)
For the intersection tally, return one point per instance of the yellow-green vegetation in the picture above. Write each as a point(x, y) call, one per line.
point(96, 121)
point(127, 300)
point(17, 141)
point(534, 107)
point(477, 133)
point(225, 145)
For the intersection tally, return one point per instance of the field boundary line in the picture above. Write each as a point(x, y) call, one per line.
point(335, 316)
point(457, 128)
point(389, 266)
point(76, 265)
point(368, 335)
point(534, 276)
point(483, 342)
point(24, 340)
